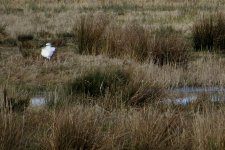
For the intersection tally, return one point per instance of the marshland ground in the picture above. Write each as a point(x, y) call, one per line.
point(107, 85)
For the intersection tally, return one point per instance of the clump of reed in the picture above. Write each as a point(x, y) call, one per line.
point(219, 32)
point(208, 130)
point(88, 31)
point(88, 127)
point(153, 130)
point(203, 34)
point(141, 44)
point(209, 32)
point(76, 129)
point(130, 40)
point(171, 49)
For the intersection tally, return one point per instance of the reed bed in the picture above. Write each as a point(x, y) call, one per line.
point(107, 86)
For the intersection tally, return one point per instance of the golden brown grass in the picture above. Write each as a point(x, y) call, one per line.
point(60, 16)
point(94, 36)
point(208, 70)
point(88, 31)
point(129, 41)
point(92, 128)
point(134, 115)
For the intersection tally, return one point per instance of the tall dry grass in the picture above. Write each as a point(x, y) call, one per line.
point(95, 128)
point(130, 40)
point(76, 129)
point(158, 131)
point(107, 122)
point(208, 130)
point(172, 49)
point(88, 30)
point(209, 32)
point(12, 131)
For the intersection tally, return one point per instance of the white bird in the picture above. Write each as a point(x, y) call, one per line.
point(48, 51)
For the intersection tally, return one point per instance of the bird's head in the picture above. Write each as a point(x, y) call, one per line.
point(48, 44)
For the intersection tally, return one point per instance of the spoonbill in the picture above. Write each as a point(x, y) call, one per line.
point(48, 51)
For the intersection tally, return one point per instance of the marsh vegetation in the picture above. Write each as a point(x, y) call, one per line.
point(109, 84)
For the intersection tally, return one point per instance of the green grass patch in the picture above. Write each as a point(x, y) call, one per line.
point(96, 83)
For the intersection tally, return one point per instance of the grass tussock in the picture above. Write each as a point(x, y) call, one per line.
point(113, 86)
point(11, 132)
point(99, 82)
point(172, 49)
point(90, 128)
point(209, 131)
point(79, 129)
point(88, 31)
point(203, 34)
point(139, 43)
point(157, 131)
point(219, 32)
point(209, 33)
point(130, 40)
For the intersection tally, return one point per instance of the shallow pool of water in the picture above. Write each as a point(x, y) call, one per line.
point(190, 94)
point(184, 95)
point(38, 101)
point(185, 100)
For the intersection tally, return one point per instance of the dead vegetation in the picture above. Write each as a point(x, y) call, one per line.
point(86, 127)
point(131, 40)
point(108, 85)
point(209, 33)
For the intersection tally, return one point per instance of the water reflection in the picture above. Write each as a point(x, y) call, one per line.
point(190, 94)
point(38, 101)
point(185, 100)
point(181, 96)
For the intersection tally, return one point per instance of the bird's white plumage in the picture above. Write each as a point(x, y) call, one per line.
point(47, 51)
